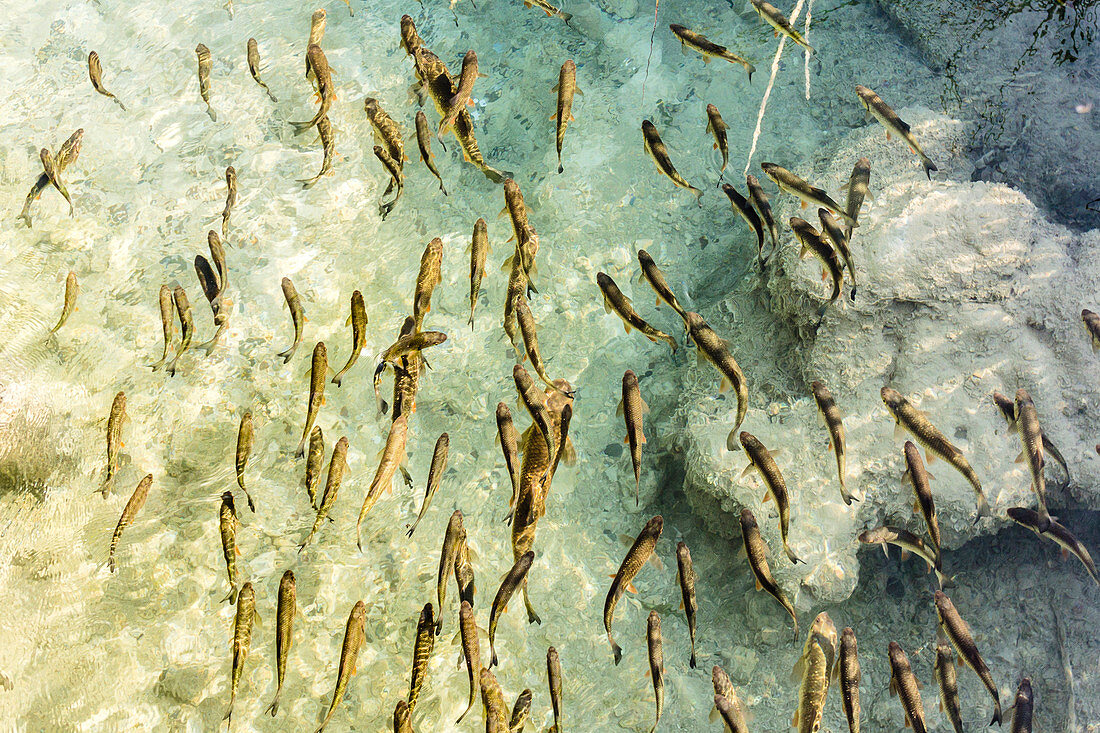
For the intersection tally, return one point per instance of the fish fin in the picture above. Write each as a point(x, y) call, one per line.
point(767, 498)
point(803, 252)
point(759, 587)
point(630, 587)
point(916, 506)
point(724, 386)
point(700, 359)
point(888, 138)
point(572, 118)
point(746, 471)
point(929, 457)
point(796, 672)
point(554, 116)
point(578, 92)
point(894, 693)
point(830, 446)
point(626, 440)
point(348, 321)
point(1022, 458)
point(645, 408)
point(1065, 554)
point(803, 204)
point(904, 555)
point(714, 715)
point(619, 409)
point(556, 87)
point(899, 431)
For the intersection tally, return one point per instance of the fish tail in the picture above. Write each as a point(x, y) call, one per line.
point(929, 166)
point(288, 354)
point(273, 708)
point(790, 554)
point(468, 709)
point(996, 710)
point(983, 507)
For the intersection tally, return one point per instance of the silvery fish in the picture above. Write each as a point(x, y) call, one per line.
point(709, 49)
point(771, 15)
point(69, 304)
point(254, 66)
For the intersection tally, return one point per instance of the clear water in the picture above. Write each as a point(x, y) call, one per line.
point(148, 648)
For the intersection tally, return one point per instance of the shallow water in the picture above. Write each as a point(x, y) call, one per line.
point(149, 646)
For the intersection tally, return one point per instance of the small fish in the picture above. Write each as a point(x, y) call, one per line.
point(54, 176)
point(521, 712)
point(655, 148)
point(958, 633)
point(328, 146)
point(95, 73)
point(756, 551)
point(833, 420)
point(685, 575)
point(317, 68)
point(742, 206)
point(297, 316)
point(284, 633)
point(461, 98)
point(763, 207)
point(402, 720)
point(566, 88)
point(254, 66)
point(1023, 708)
point(406, 378)
point(133, 506)
point(354, 637)
point(909, 418)
point(358, 320)
point(656, 279)
point(631, 408)
point(635, 559)
point(230, 198)
point(761, 459)
point(924, 503)
point(714, 349)
point(530, 339)
point(832, 229)
point(947, 680)
point(1026, 418)
point(337, 468)
point(903, 684)
point(909, 544)
point(813, 243)
point(518, 212)
point(397, 181)
point(453, 539)
point(847, 670)
point(317, 372)
point(535, 402)
point(517, 285)
point(206, 64)
point(727, 705)
point(717, 127)
point(858, 190)
point(471, 651)
point(809, 195)
point(464, 573)
point(550, 10)
point(553, 676)
point(66, 154)
point(1058, 534)
point(208, 281)
point(242, 640)
point(244, 449)
point(615, 301)
point(315, 461)
point(393, 457)
point(187, 326)
point(1008, 409)
point(115, 420)
point(424, 142)
point(410, 39)
point(513, 580)
point(709, 49)
point(429, 276)
point(509, 445)
point(227, 527)
point(167, 322)
point(492, 700)
point(479, 252)
point(386, 131)
point(435, 475)
point(1092, 325)
point(69, 305)
point(814, 668)
point(217, 256)
point(771, 15)
point(889, 119)
point(656, 663)
point(422, 654)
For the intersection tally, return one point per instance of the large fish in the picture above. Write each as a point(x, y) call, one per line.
point(779, 22)
point(227, 528)
point(297, 316)
point(424, 143)
point(422, 654)
point(761, 459)
point(337, 467)
point(889, 119)
point(958, 633)
point(947, 681)
point(244, 450)
point(631, 408)
point(903, 683)
point(1057, 534)
point(656, 279)
point(317, 372)
point(833, 420)
point(909, 544)
point(858, 190)
point(707, 48)
point(393, 457)
point(317, 68)
point(471, 651)
point(742, 206)
point(129, 512)
point(566, 88)
point(615, 301)
point(479, 252)
point(923, 503)
point(812, 242)
point(1031, 438)
point(847, 671)
point(655, 149)
point(635, 559)
point(809, 195)
point(116, 418)
point(756, 551)
point(814, 668)
point(242, 641)
point(206, 64)
point(354, 637)
point(711, 347)
point(284, 633)
point(253, 55)
point(453, 539)
point(515, 577)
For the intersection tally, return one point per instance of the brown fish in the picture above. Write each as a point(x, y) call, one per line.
point(315, 461)
point(553, 676)
point(227, 528)
point(509, 445)
point(424, 142)
point(54, 176)
point(242, 641)
point(115, 420)
point(453, 539)
point(187, 326)
point(230, 198)
point(471, 651)
point(317, 66)
point(328, 147)
point(358, 321)
point(95, 73)
point(655, 149)
point(958, 633)
point(833, 419)
point(254, 66)
point(133, 506)
point(656, 279)
point(429, 276)
point(615, 301)
point(66, 154)
point(508, 586)
point(69, 304)
point(284, 632)
point(393, 457)
point(244, 450)
point(903, 684)
point(685, 575)
point(206, 64)
point(717, 127)
point(656, 663)
point(317, 372)
point(713, 348)
point(566, 88)
point(354, 637)
point(847, 670)
point(479, 252)
point(631, 408)
point(337, 468)
point(461, 98)
point(297, 316)
point(422, 653)
point(435, 476)
point(167, 322)
point(756, 551)
point(635, 559)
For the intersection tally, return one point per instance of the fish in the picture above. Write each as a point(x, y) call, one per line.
point(903, 683)
point(337, 468)
point(763, 207)
point(958, 633)
point(756, 551)
point(129, 512)
point(317, 68)
point(453, 538)
point(315, 461)
point(731, 714)
point(509, 445)
point(429, 276)
point(208, 281)
point(328, 146)
point(1008, 409)
point(832, 229)
point(317, 372)
point(397, 180)
point(535, 402)
point(284, 633)
point(553, 677)
point(406, 377)
point(530, 339)
point(386, 131)
point(909, 418)
point(709, 49)
point(566, 89)
point(514, 291)
point(412, 343)
point(858, 189)
point(714, 349)
point(317, 22)
point(656, 279)
point(66, 154)
point(242, 640)
point(889, 119)
point(410, 39)
point(685, 575)
point(833, 420)
point(717, 127)
point(513, 580)
point(1031, 438)
point(115, 420)
point(254, 66)
point(847, 671)
point(809, 195)
point(464, 572)
point(521, 712)
point(1058, 534)
point(814, 668)
point(1023, 708)
point(813, 243)
point(492, 700)
point(761, 459)
point(947, 680)
point(422, 654)
point(402, 721)
point(565, 445)
point(95, 73)
point(518, 211)
point(206, 64)
point(471, 651)
point(550, 10)
point(615, 301)
point(187, 326)
point(244, 449)
point(167, 314)
point(1090, 319)
point(479, 252)
point(393, 457)
point(909, 543)
point(435, 476)
point(227, 527)
point(217, 256)
point(230, 198)
point(54, 176)
point(636, 557)
point(69, 304)
point(297, 316)
point(631, 408)
point(358, 320)
point(354, 638)
point(923, 502)
point(424, 142)
point(742, 206)
point(655, 149)
point(656, 663)
point(771, 15)
point(461, 98)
